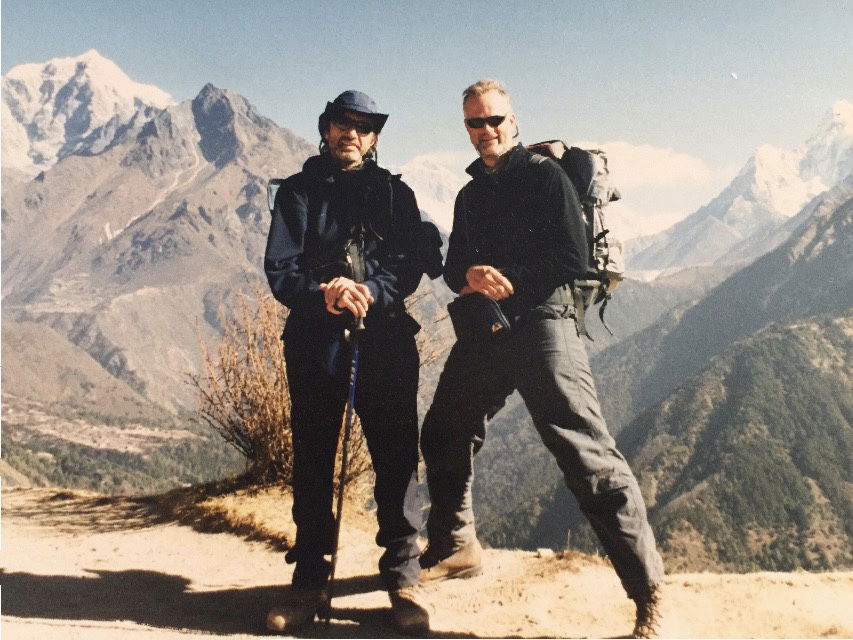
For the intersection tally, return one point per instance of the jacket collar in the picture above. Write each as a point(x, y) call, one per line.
point(324, 169)
point(515, 157)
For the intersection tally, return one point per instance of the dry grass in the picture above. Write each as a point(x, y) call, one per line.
point(235, 506)
point(244, 395)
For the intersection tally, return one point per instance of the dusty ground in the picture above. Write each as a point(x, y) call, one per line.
point(78, 566)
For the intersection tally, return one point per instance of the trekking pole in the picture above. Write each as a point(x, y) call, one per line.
point(347, 423)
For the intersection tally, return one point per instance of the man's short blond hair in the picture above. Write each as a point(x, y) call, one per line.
point(484, 86)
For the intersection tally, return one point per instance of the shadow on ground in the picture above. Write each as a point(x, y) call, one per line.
point(161, 600)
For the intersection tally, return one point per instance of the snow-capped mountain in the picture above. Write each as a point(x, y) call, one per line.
point(828, 155)
point(435, 185)
point(69, 105)
point(774, 185)
point(128, 252)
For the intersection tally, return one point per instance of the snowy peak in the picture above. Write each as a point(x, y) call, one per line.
point(777, 182)
point(783, 181)
point(828, 154)
point(837, 122)
point(50, 109)
point(773, 186)
point(58, 81)
point(435, 185)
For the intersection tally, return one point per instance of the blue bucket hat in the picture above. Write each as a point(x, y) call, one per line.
point(352, 101)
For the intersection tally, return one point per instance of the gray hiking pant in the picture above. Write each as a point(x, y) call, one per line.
point(545, 359)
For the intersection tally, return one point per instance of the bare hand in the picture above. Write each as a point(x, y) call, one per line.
point(489, 281)
point(343, 294)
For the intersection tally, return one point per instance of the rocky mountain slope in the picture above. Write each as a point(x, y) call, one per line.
point(129, 252)
point(811, 273)
point(748, 464)
point(39, 363)
point(68, 422)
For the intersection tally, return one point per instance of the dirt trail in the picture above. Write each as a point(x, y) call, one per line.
point(96, 570)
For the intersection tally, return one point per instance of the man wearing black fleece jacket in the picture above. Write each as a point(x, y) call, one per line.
point(518, 238)
point(343, 196)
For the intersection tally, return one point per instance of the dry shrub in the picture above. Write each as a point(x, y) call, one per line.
point(432, 343)
point(244, 395)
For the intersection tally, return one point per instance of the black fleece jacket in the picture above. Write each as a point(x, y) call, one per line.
point(524, 219)
point(313, 215)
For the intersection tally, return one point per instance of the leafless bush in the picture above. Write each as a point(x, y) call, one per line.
point(243, 391)
point(432, 345)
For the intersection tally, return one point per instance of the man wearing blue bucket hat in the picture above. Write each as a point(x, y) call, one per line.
point(343, 200)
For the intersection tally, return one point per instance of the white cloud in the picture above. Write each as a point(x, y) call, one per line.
point(659, 186)
point(644, 165)
point(627, 222)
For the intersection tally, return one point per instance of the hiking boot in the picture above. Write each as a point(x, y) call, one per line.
point(298, 610)
point(410, 610)
point(462, 563)
point(648, 614)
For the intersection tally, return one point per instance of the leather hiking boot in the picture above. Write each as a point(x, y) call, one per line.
point(462, 563)
point(648, 614)
point(299, 609)
point(410, 609)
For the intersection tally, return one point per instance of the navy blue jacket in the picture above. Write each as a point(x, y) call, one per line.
point(313, 217)
point(524, 219)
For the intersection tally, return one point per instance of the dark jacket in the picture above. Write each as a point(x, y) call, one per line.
point(524, 219)
point(313, 217)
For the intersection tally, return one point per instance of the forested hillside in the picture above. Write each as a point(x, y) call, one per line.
point(747, 466)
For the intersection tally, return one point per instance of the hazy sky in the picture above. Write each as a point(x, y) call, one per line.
point(658, 76)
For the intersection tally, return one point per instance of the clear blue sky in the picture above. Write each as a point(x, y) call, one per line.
point(656, 73)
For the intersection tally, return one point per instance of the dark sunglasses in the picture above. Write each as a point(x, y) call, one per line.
point(479, 123)
point(346, 124)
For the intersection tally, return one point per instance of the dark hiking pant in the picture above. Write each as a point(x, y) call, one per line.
point(386, 402)
point(545, 359)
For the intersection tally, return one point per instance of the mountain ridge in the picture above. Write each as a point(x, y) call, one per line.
point(171, 217)
point(777, 287)
point(752, 454)
point(773, 185)
point(68, 105)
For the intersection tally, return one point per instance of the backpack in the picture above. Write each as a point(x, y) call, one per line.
point(588, 172)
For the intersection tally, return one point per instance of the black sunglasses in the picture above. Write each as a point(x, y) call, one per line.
point(346, 124)
point(479, 123)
